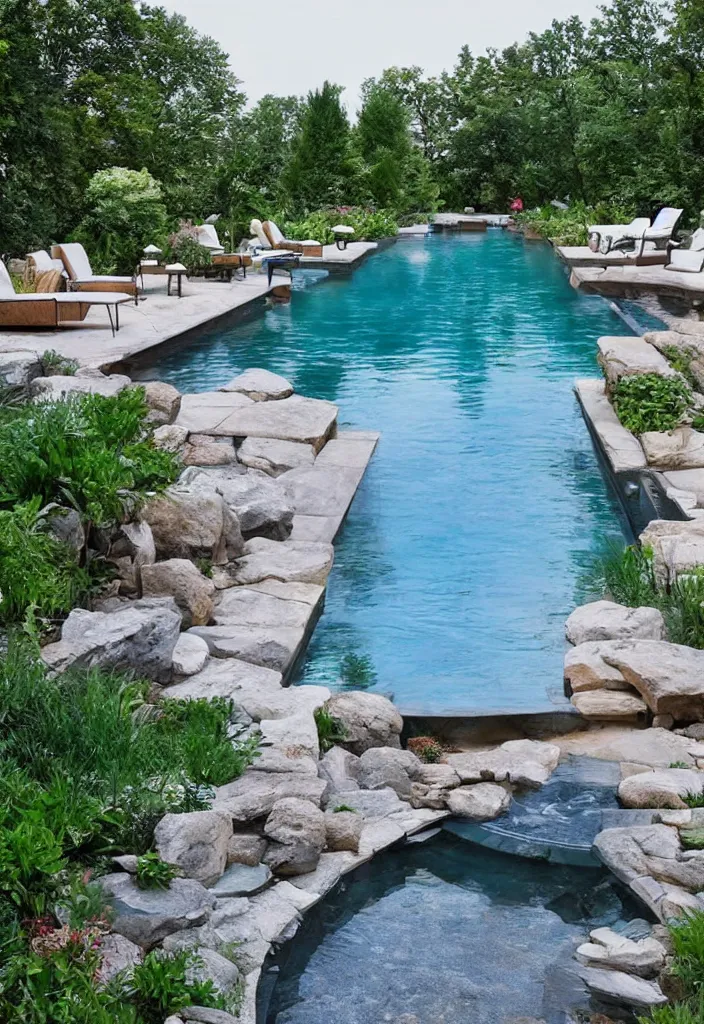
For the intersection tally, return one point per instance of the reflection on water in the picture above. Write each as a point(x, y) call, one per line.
point(443, 933)
point(484, 505)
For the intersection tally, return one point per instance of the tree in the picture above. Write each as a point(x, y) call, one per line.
point(320, 171)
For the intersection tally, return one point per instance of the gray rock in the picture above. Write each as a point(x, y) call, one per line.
point(481, 802)
point(214, 967)
point(626, 850)
point(499, 765)
point(273, 456)
point(622, 989)
point(343, 830)
point(296, 832)
point(610, 706)
point(368, 719)
point(289, 562)
point(260, 385)
point(202, 413)
point(381, 767)
point(547, 754)
point(682, 448)
point(170, 438)
point(625, 357)
point(271, 646)
point(260, 503)
point(164, 401)
point(443, 775)
point(204, 1015)
point(687, 874)
point(136, 542)
point(243, 880)
point(190, 655)
point(50, 389)
point(255, 793)
point(423, 795)
point(340, 768)
point(608, 949)
point(181, 579)
point(372, 803)
point(308, 420)
point(190, 524)
point(140, 636)
point(195, 842)
point(117, 954)
point(17, 369)
point(208, 453)
point(662, 788)
point(586, 669)
point(147, 916)
point(66, 525)
point(605, 620)
point(248, 606)
point(330, 869)
point(246, 848)
point(669, 677)
point(128, 862)
point(677, 547)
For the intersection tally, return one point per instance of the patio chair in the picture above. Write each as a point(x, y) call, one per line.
point(271, 237)
point(604, 238)
point(45, 274)
point(690, 260)
point(51, 309)
point(208, 238)
point(81, 276)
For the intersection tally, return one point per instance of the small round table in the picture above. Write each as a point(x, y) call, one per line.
point(178, 271)
point(342, 233)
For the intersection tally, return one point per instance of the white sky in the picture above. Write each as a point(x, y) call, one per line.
point(288, 48)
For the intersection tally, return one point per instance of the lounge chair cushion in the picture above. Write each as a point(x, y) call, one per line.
point(76, 261)
point(30, 297)
point(7, 290)
point(107, 278)
point(274, 234)
point(89, 298)
point(690, 261)
point(664, 222)
point(257, 228)
point(43, 262)
point(208, 237)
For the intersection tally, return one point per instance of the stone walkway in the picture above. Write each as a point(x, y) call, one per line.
point(154, 321)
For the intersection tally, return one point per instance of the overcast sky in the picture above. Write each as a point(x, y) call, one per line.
point(289, 48)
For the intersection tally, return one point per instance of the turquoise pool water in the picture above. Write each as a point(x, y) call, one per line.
point(467, 544)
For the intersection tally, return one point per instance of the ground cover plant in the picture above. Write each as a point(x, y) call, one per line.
point(87, 768)
point(570, 226)
point(687, 937)
point(649, 401)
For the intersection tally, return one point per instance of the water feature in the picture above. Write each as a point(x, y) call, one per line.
point(484, 506)
point(443, 933)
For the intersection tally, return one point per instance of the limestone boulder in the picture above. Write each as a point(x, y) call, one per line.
point(367, 719)
point(623, 989)
point(306, 420)
point(189, 523)
point(67, 526)
point(164, 401)
point(605, 620)
point(340, 769)
point(626, 850)
point(146, 916)
point(196, 842)
point(296, 832)
point(86, 381)
point(499, 765)
point(271, 646)
point(170, 438)
point(627, 357)
point(139, 636)
point(609, 949)
point(273, 456)
point(370, 803)
point(586, 668)
point(18, 368)
point(343, 830)
point(261, 504)
point(181, 579)
point(443, 775)
point(289, 562)
point(669, 677)
point(253, 796)
point(482, 802)
point(136, 542)
point(213, 966)
point(379, 767)
point(682, 448)
point(205, 451)
point(662, 788)
point(117, 955)
point(260, 385)
point(610, 706)
point(190, 655)
point(546, 754)
point(246, 848)
point(677, 547)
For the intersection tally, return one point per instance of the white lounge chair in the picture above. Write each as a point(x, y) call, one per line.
point(605, 237)
point(691, 260)
point(81, 276)
point(208, 238)
point(270, 237)
point(52, 309)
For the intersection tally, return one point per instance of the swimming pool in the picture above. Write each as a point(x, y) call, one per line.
point(484, 506)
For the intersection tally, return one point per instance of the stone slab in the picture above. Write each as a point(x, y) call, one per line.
point(275, 647)
point(316, 529)
point(288, 561)
point(308, 420)
point(622, 449)
point(201, 413)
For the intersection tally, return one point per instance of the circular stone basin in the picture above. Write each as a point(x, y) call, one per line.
point(443, 932)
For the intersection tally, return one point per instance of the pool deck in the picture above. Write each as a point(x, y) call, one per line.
point(154, 321)
point(631, 282)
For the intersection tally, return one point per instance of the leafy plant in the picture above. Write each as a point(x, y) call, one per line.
point(680, 359)
point(426, 748)
point(153, 872)
point(627, 576)
point(185, 248)
point(688, 944)
point(692, 838)
point(368, 224)
point(694, 799)
point(330, 729)
point(161, 986)
point(650, 402)
point(678, 764)
point(343, 807)
point(52, 364)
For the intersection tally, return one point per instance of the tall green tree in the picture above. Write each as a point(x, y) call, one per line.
point(320, 171)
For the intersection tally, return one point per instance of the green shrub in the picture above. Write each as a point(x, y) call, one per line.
point(126, 213)
point(570, 227)
point(162, 984)
point(330, 729)
point(185, 248)
point(368, 224)
point(692, 838)
point(688, 945)
point(89, 452)
point(651, 402)
point(680, 359)
point(153, 872)
point(626, 576)
point(36, 570)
